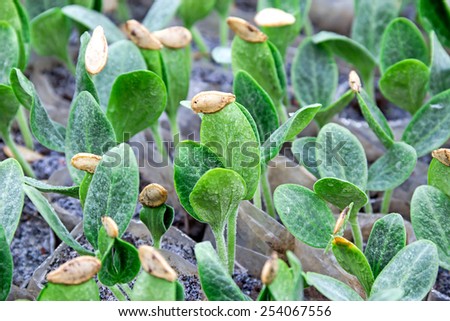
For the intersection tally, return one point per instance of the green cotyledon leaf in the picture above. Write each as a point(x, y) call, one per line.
point(440, 67)
point(413, 270)
point(87, 291)
point(72, 191)
point(216, 283)
point(137, 100)
point(192, 160)
point(387, 238)
point(151, 288)
point(9, 107)
point(230, 135)
point(83, 80)
point(439, 176)
point(304, 214)
point(6, 266)
point(402, 40)
point(10, 49)
point(435, 15)
point(160, 14)
point(333, 289)
point(191, 11)
point(11, 196)
point(430, 219)
point(341, 155)
point(88, 131)
point(340, 192)
point(352, 260)
point(113, 191)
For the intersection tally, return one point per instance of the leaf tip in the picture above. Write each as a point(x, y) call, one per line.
point(96, 54)
point(245, 30)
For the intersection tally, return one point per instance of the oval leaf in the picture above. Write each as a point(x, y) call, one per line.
point(10, 49)
point(428, 129)
point(160, 14)
point(440, 70)
point(340, 193)
point(435, 15)
point(113, 192)
point(413, 270)
point(430, 219)
point(87, 291)
point(151, 288)
point(8, 108)
point(6, 267)
point(333, 289)
point(393, 168)
point(439, 176)
point(304, 150)
point(387, 238)
point(304, 214)
point(190, 11)
point(158, 220)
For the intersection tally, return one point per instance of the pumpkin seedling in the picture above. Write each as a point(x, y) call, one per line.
point(155, 214)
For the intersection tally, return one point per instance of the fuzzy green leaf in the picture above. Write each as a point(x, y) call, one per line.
point(371, 19)
point(87, 291)
point(304, 150)
point(6, 265)
point(375, 119)
point(413, 270)
point(387, 238)
point(326, 114)
point(113, 192)
point(353, 261)
point(402, 40)
point(428, 129)
point(341, 155)
point(9, 106)
point(333, 289)
point(435, 15)
point(10, 49)
point(48, 213)
point(88, 131)
point(288, 131)
point(71, 191)
point(91, 19)
point(84, 187)
point(50, 33)
point(231, 135)
point(123, 57)
point(440, 67)
point(430, 219)
point(304, 214)
point(340, 192)
point(314, 74)
point(83, 79)
point(137, 100)
point(47, 132)
point(393, 168)
point(158, 220)
point(253, 97)
point(257, 59)
point(217, 196)
point(120, 264)
point(439, 176)
point(192, 160)
point(191, 11)
point(216, 282)
point(35, 7)
point(283, 287)
point(151, 288)
point(160, 14)
point(348, 49)
point(406, 84)
point(11, 196)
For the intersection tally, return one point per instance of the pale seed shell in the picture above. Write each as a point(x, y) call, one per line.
point(354, 82)
point(174, 37)
point(208, 102)
point(340, 221)
point(86, 162)
point(154, 264)
point(245, 30)
point(270, 270)
point(110, 226)
point(153, 195)
point(141, 36)
point(76, 271)
point(272, 17)
point(96, 54)
point(442, 155)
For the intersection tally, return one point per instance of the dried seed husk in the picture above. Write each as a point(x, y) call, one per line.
point(153, 195)
point(208, 102)
point(270, 270)
point(245, 30)
point(354, 82)
point(341, 220)
point(154, 264)
point(96, 54)
point(141, 36)
point(110, 226)
point(442, 155)
point(86, 162)
point(174, 37)
point(29, 155)
point(273, 17)
point(76, 271)
point(339, 240)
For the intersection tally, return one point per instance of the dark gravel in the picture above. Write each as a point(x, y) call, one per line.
point(443, 282)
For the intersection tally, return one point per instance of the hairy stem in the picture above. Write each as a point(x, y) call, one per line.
point(24, 129)
point(386, 201)
point(368, 207)
point(199, 41)
point(126, 288)
point(158, 141)
point(176, 134)
point(356, 230)
point(231, 240)
point(267, 193)
point(220, 246)
point(257, 197)
point(17, 155)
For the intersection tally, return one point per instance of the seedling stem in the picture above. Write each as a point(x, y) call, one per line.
point(24, 129)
